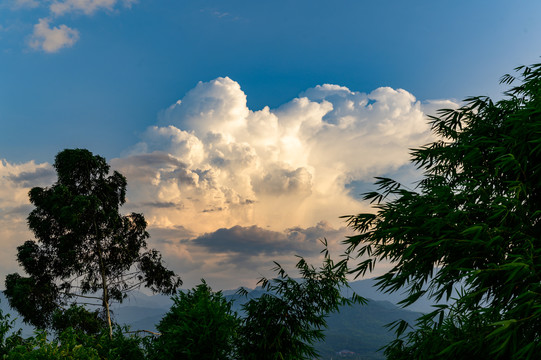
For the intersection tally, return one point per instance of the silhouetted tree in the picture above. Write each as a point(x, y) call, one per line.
point(85, 249)
point(473, 223)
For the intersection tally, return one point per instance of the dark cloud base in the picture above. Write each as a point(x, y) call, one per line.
point(254, 240)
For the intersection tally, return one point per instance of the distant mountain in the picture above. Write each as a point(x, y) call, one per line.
point(358, 330)
point(361, 331)
point(367, 288)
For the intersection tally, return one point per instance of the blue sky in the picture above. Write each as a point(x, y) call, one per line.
point(130, 63)
point(101, 74)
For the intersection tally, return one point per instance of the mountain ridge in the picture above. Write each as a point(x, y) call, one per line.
point(359, 330)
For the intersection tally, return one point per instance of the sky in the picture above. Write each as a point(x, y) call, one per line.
point(245, 129)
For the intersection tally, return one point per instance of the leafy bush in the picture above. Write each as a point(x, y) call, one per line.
point(199, 325)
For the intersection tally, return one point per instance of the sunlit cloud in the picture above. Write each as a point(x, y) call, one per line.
point(240, 180)
point(88, 7)
point(212, 159)
point(52, 39)
point(15, 182)
point(226, 190)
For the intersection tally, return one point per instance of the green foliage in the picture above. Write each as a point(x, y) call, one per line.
point(474, 223)
point(285, 322)
point(8, 341)
point(69, 343)
point(461, 336)
point(199, 325)
point(122, 345)
point(84, 245)
point(31, 297)
point(67, 346)
point(78, 318)
point(73, 344)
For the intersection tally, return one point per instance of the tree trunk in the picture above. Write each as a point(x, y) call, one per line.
point(106, 303)
point(105, 297)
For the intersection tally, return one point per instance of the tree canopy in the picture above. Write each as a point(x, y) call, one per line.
point(472, 224)
point(85, 249)
point(200, 325)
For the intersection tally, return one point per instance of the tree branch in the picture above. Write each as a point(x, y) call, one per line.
point(83, 296)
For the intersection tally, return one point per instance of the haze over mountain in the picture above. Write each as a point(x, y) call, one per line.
point(359, 328)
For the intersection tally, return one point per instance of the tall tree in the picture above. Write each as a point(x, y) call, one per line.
point(84, 249)
point(474, 224)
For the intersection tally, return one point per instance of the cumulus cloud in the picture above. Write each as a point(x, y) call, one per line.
point(223, 164)
point(226, 189)
point(15, 182)
point(88, 7)
point(52, 39)
point(236, 178)
point(230, 257)
point(282, 181)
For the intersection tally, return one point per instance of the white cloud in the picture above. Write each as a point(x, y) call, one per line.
point(431, 107)
point(226, 190)
point(279, 168)
point(87, 7)
point(52, 39)
point(15, 182)
point(212, 163)
point(218, 106)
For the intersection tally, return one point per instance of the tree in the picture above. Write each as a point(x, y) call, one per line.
point(286, 321)
point(72, 344)
point(8, 341)
point(85, 249)
point(283, 323)
point(474, 224)
point(199, 325)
